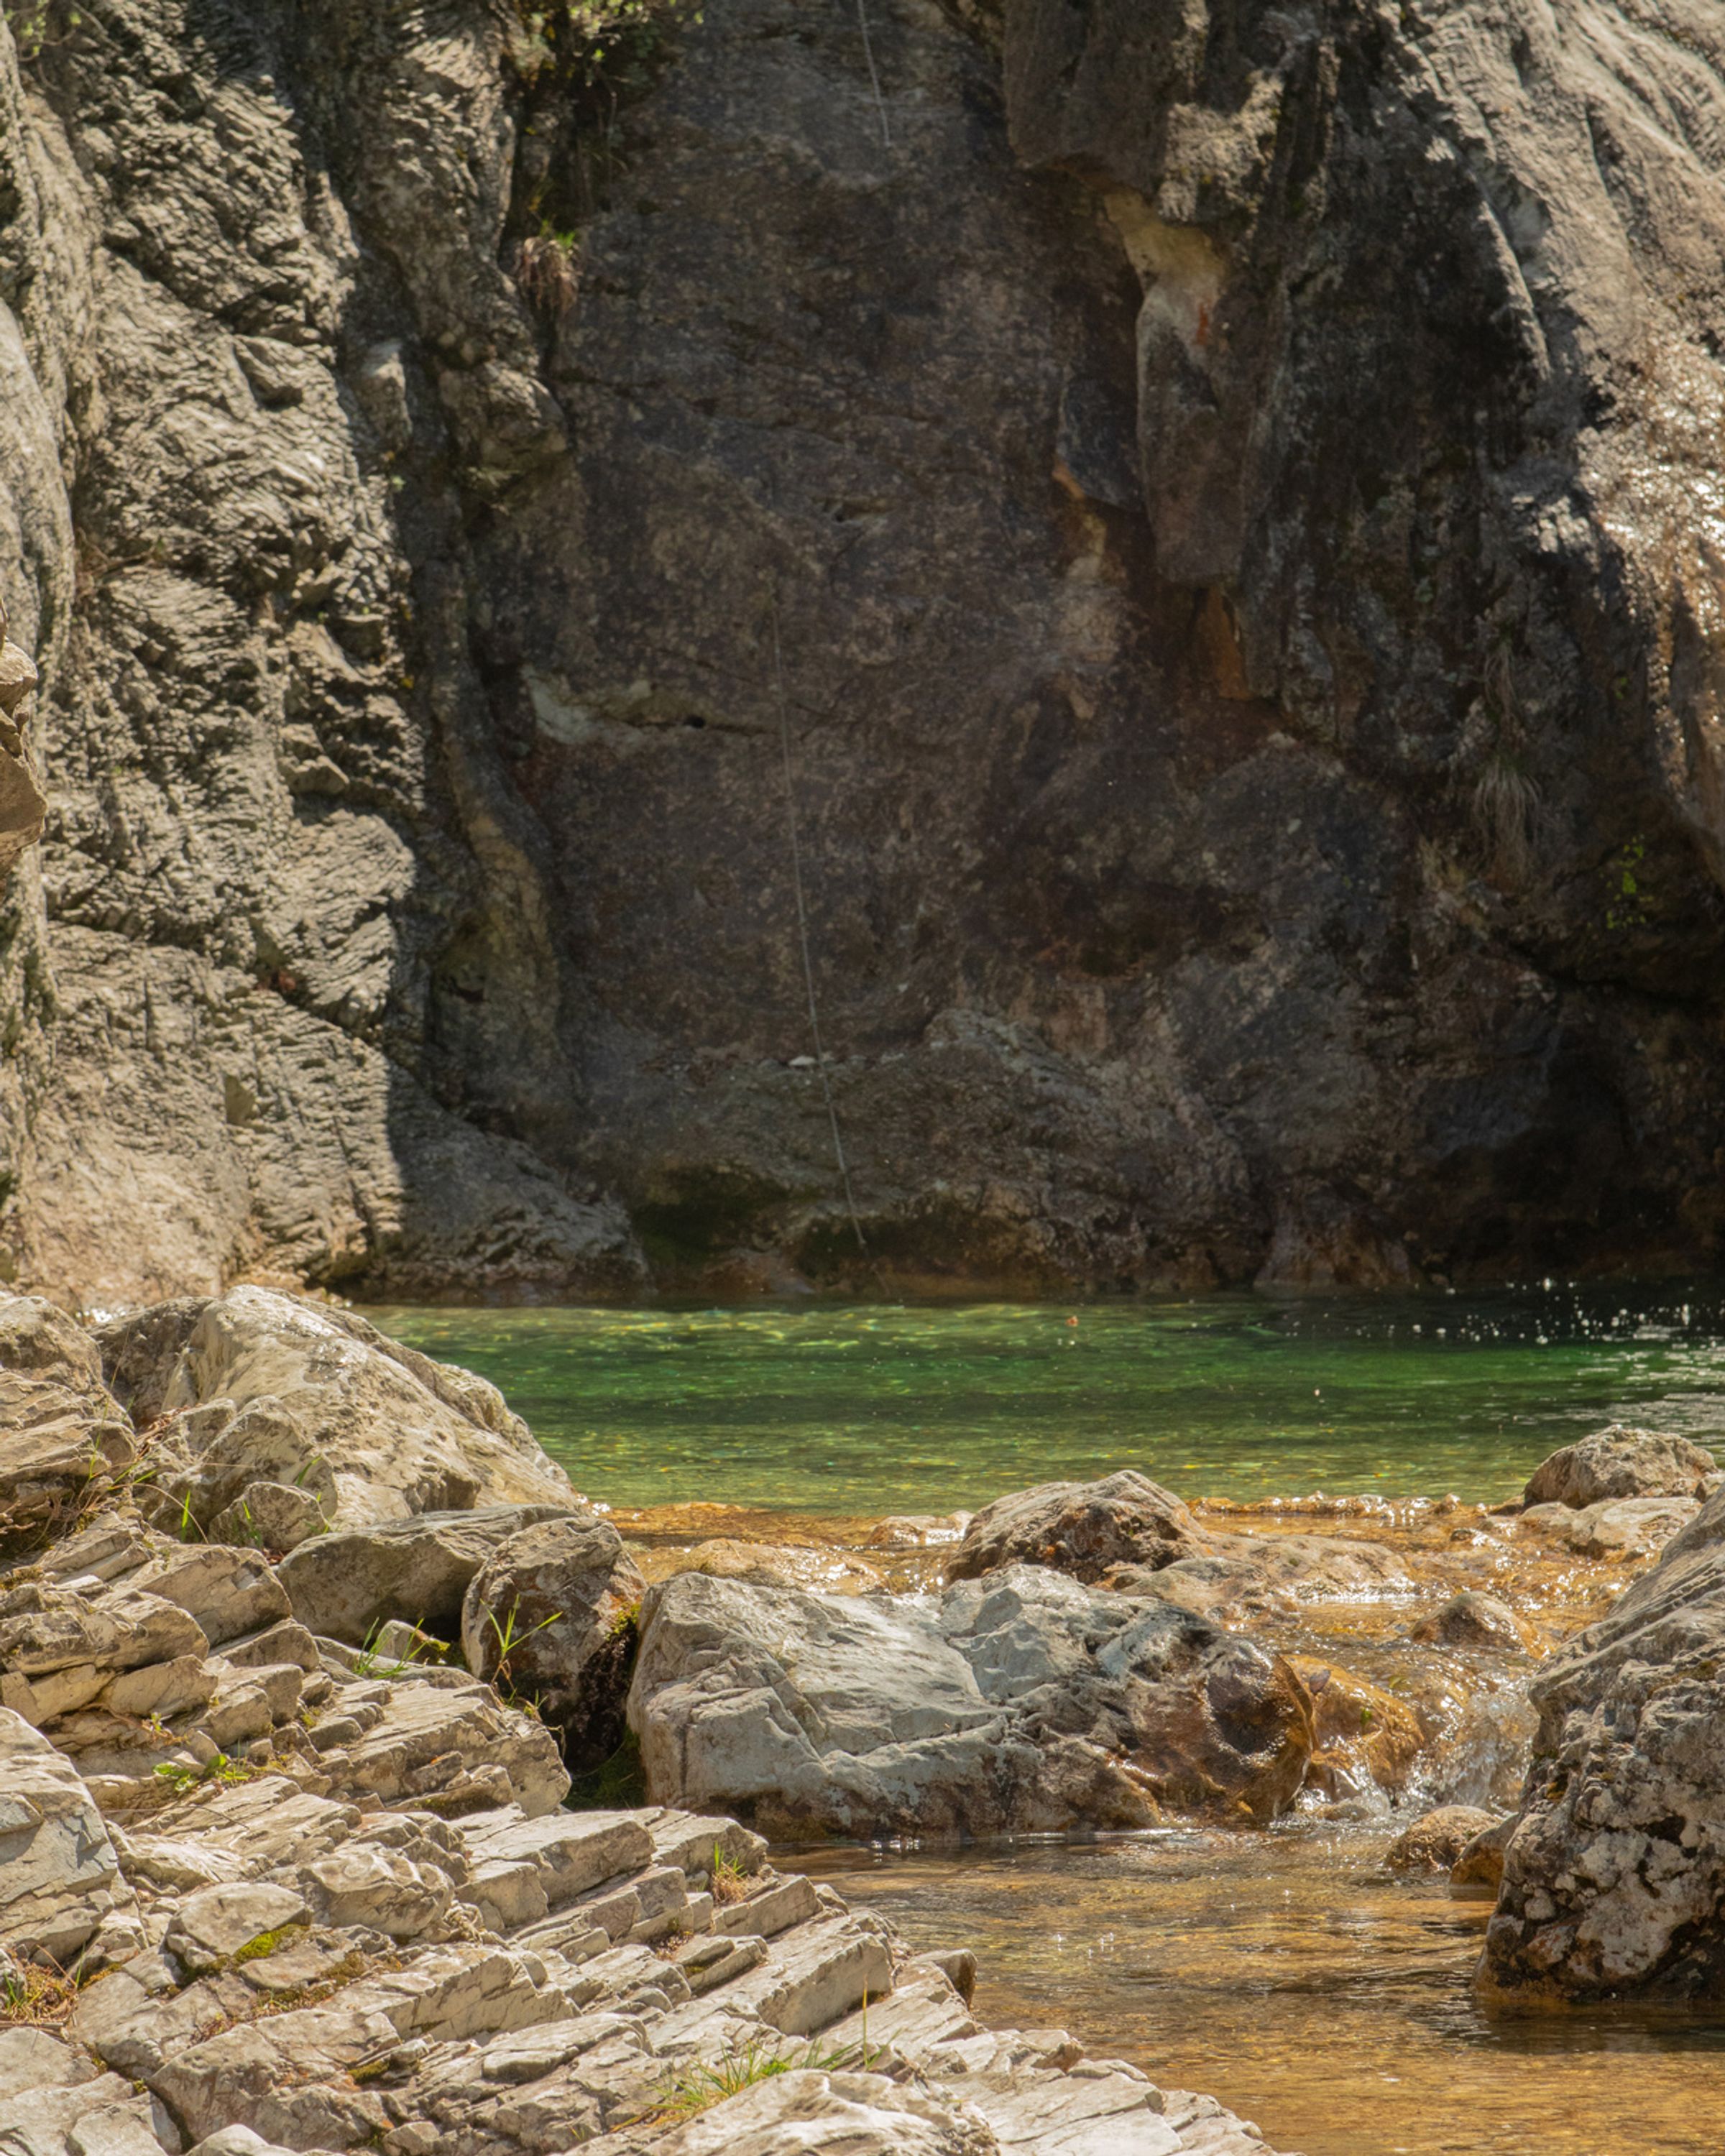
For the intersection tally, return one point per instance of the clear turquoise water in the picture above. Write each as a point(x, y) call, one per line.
point(859, 1410)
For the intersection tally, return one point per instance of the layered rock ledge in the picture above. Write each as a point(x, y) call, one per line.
point(264, 1888)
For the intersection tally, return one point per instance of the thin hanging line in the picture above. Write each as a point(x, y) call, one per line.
point(790, 815)
point(862, 17)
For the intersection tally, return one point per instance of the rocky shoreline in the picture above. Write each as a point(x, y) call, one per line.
point(301, 1636)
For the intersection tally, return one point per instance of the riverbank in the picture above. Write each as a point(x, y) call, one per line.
point(302, 1636)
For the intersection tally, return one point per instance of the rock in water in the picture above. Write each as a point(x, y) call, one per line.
point(1083, 1528)
point(550, 1616)
point(1473, 1620)
point(1436, 1841)
point(1614, 1878)
point(1620, 1462)
point(1024, 1702)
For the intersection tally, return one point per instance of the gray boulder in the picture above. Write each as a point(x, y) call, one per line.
point(59, 1874)
point(551, 1617)
point(1619, 1461)
point(345, 1586)
point(1024, 1702)
point(271, 1388)
point(1083, 1528)
point(1614, 1877)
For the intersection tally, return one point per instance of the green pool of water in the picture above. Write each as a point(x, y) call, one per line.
point(872, 1409)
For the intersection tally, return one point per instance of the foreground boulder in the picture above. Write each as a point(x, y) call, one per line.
point(59, 1875)
point(1023, 1702)
point(273, 1389)
point(1083, 1528)
point(1614, 1876)
point(550, 1616)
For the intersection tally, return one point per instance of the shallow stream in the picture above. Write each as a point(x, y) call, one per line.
point(1284, 1971)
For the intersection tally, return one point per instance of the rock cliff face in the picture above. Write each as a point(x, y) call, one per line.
point(1210, 514)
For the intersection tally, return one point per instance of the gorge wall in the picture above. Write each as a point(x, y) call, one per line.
point(1213, 513)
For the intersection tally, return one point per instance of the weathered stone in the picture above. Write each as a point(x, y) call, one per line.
point(864, 2114)
point(1026, 1702)
point(228, 1592)
point(344, 1586)
point(1615, 1527)
point(1083, 1528)
point(1478, 1869)
point(323, 1401)
point(210, 1927)
point(1620, 1462)
point(60, 1873)
point(433, 1741)
point(273, 1515)
point(1614, 1876)
point(550, 1614)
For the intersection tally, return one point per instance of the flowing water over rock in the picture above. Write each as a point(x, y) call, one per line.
point(1323, 1995)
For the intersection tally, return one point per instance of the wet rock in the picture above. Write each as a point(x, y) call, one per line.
point(1242, 1576)
point(550, 1616)
point(1624, 1527)
point(1024, 1701)
point(771, 1565)
point(1361, 1730)
point(1435, 1842)
point(1473, 1620)
point(1619, 1461)
point(1082, 1528)
point(1614, 1878)
point(1477, 1872)
point(344, 1586)
point(273, 1387)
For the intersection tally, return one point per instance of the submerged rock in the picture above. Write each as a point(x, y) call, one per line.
point(1083, 1528)
point(1023, 1701)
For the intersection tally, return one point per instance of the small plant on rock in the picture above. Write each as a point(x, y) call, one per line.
point(730, 1881)
point(688, 2093)
point(511, 1636)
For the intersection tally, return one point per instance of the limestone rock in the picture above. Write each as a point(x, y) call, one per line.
point(449, 1748)
point(344, 1586)
point(550, 1616)
point(59, 1874)
point(1436, 1840)
point(1619, 1461)
point(1025, 1701)
point(1083, 1528)
point(315, 1398)
point(210, 1927)
point(1614, 1876)
point(1626, 1528)
point(863, 2114)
